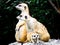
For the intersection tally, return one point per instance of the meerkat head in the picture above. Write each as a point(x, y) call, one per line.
point(23, 17)
point(22, 7)
point(35, 37)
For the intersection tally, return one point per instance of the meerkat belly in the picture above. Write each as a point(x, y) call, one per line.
point(21, 34)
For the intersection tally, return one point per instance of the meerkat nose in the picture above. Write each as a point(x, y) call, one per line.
point(16, 6)
point(17, 17)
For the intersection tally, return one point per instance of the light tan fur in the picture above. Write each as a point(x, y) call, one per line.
point(29, 35)
point(32, 23)
point(39, 28)
point(21, 31)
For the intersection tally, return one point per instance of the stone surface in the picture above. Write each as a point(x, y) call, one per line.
point(50, 42)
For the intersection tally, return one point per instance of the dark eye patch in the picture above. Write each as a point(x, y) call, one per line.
point(20, 15)
point(19, 5)
point(25, 17)
point(34, 35)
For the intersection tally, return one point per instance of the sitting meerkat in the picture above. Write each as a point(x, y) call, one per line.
point(21, 31)
point(33, 37)
point(32, 23)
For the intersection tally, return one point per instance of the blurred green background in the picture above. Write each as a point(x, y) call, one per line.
point(42, 10)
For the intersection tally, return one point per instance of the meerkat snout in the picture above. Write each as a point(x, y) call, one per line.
point(18, 17)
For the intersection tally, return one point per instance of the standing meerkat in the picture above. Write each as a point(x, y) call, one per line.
point(33, 37)
point(21, 31)
point(32, 23)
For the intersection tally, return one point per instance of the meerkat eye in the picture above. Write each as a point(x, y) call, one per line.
point(34, 35)
point(19, 5)
point(20, 15)
point(25, 17)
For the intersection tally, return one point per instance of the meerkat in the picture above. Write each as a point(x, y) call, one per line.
point(32, 23)
point(35, 38)
point(21, 31)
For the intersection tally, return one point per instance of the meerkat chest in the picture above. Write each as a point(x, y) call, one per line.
point(30, 26)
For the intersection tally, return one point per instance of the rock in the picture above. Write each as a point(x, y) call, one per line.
point(15, 43)
point(50, 42)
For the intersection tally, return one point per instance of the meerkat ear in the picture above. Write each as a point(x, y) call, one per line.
point(24, 7)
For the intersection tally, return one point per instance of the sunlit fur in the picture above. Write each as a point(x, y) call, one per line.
point(32, 23)
point(21, 31)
